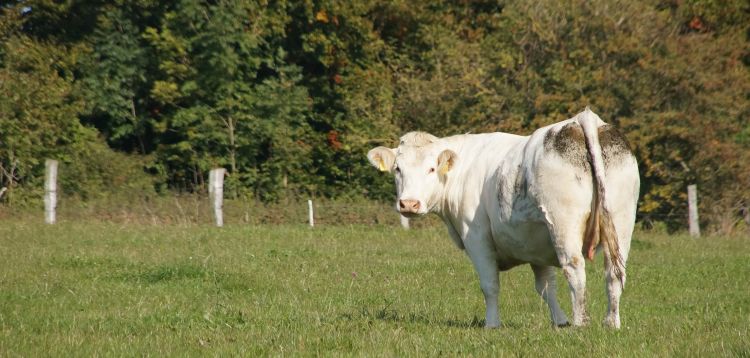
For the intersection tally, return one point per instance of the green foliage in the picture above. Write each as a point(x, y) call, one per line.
point(39, 111)
point(114, 72)
point(289, 95)
point(228, 98)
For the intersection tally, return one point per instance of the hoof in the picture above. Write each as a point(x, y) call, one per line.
point(613, 323)
point(563, 325)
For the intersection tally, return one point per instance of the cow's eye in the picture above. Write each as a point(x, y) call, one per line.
point(432, 170)
point(398, 170)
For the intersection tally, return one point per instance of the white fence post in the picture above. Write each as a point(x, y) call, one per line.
point(50, 190)
point(311, 217)
point(404, 222)
point(695, 230)
point(216, 193)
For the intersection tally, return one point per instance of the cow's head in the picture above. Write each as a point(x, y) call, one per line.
point(420, 167)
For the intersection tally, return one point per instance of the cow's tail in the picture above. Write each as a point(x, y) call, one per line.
point(599, 227)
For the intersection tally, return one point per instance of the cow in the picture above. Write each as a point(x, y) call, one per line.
point(551, 199)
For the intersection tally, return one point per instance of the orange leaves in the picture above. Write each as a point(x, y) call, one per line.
point(322, 16)
point(333, 140)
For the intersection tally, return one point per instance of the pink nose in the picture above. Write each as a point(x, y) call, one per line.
point(408, 206)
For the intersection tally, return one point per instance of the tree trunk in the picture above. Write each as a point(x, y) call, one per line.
point(138, 134)
point(230, 124)
point(232, 145)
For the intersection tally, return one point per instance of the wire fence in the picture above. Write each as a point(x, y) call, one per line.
point(198, 209)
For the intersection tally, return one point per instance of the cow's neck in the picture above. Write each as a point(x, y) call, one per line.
point(459, 181)
point(458, 202)
point(454, 229)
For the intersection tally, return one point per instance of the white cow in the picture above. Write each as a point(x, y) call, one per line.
point(550, 200)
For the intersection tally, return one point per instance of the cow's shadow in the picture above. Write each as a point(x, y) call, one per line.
point(389, 314)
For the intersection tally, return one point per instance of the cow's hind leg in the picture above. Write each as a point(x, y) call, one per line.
point(574, 270)
point(615, 284)
point(568, 244)
point(565, 232)
point(546, 285)
point(624, 221)
point(614, 290)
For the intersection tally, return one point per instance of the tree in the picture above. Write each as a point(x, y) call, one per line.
point(228, 97)
point(39, 110)
point(289, 95)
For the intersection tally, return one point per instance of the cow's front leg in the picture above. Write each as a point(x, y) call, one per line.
point(482, 255)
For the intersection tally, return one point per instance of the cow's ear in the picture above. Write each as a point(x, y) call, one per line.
point(382, 158)
point(445, 163)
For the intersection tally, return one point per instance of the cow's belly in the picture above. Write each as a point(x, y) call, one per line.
point(526, 242)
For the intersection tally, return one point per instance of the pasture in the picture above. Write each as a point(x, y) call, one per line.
point(94, 288)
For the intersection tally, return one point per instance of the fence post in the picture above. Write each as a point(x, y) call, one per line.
point(216, 193)
point(50, 190)
point(404, 222)
point(311, 217)
point(695, 230)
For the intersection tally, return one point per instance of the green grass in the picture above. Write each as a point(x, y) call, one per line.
point(92, 288)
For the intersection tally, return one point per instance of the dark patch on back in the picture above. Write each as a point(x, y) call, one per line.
point(569, 143)
point(614, 145)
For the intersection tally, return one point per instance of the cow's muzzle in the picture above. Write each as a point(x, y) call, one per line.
point(408, 206)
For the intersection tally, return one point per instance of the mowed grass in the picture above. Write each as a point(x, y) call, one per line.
point(97, 288)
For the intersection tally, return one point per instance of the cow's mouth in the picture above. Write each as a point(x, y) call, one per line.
point(410, 214)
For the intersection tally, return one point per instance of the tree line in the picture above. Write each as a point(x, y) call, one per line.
point(289, 95)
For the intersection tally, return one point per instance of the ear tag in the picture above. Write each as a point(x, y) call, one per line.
point(444, 169)
point(381, 165)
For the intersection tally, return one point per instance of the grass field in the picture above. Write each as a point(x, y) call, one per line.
point(98, 288)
